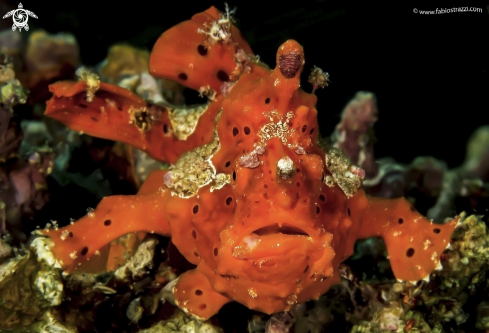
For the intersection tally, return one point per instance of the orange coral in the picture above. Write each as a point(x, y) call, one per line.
point(265, 213)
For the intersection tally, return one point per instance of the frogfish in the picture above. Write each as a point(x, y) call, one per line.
point(253, 198)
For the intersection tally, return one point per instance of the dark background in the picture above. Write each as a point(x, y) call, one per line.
point(429, 72)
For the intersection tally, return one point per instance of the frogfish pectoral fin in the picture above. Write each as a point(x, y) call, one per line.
point(414, 244)
point(114, 217)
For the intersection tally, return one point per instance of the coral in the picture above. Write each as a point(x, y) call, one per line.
point(429, 179)
point(252, 200)
point(180, 322)
point(475, 167)
point(48, 58)
point(466, 263)
point(354, 134)
point(30, 284)
point(11, 90)
point(139, 263)
point(127, 67)
point(10, 135)
point(279, 323)
point(107, 301)
point(23, 178)
point(33, 287)
point(123, 61)
point(10, 43)
point(47, 53)
point(48, 323)
point(426, 181)
point(5, 249)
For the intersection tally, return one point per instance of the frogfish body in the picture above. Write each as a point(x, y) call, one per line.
point(253, 199)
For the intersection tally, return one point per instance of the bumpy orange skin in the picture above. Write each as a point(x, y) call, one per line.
point(265, 240)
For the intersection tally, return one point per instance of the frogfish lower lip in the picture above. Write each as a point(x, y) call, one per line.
point(273, 240)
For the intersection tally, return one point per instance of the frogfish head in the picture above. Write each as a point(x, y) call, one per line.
point(278, 242)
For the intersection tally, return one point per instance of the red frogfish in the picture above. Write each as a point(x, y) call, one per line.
point(264, 210)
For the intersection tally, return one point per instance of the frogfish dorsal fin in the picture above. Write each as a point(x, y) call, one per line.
point(201, 53)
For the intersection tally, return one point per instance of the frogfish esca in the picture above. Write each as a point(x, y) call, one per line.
point(253, 199)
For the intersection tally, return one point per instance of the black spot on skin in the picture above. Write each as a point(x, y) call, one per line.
point(198, 292)
point(247, 131)
point(182, 76)
point(84, 251)
point(412, 208)
point(196, 209)
point(215, 251)
point(222, 76)
point(194, 234)
point(228, 200)
point(235, 131)
point(436, 231)
point(322, 197)
point(290, 64)
point(83, 106)
point(267, 100)
point(318, 210)
point(311, 131)
point(304, 128)
point(306, 269)
point(410, 252)
point(228, 163)
point(202, 50)
point(107, 223)
point(165, 128)
point(234, 175)
point(70, 234)
point(94, 119)
point(400, 221)
point(349, 211)
point(202, 306)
